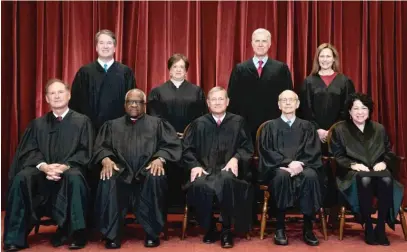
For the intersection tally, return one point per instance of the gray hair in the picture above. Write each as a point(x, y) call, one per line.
point(136, 90)
point(217, 89)
point(262, 30)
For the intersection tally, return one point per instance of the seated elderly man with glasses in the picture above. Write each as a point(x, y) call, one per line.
point(131, 152)
point(290, 161)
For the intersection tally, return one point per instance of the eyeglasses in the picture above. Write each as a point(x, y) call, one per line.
point(285, 100)
point(137, 102)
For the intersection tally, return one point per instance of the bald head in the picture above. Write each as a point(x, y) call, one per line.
point(288, 93)
point(288, 102)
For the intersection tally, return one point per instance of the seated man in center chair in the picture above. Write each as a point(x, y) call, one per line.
point(132, 151)
point(290, 162)
point(217, 151)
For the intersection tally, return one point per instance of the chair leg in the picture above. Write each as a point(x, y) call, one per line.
point(323, 223)
point(248, 236)
point(37, 228)
point(184, 222)
point(403, 223)
point(165, 231)
point(263, 215)
point(342, 223)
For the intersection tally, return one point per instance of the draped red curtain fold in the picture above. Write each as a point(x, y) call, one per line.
point(41, 40)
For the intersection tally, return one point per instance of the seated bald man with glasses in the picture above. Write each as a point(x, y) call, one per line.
point(131, 152)
point(290, 161)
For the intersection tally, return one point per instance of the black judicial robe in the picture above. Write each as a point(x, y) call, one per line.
point(208, 146)
point(350, 145)
point(256, 98)
point(280, 144)
point(99, 94)
point(47, 140)
point(324, 105)
point(179, 106)
point(132, 147)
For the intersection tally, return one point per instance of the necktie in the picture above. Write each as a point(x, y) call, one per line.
point(105, 67)
point(260, 68)
point(218, 122)
point(289, 123)
point(59, 118)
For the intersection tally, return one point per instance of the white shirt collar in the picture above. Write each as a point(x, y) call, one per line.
point(109, 64)
point(63, 114)
point(217, 118)
point(256, 60)
point(177, 83)
point(286, 120)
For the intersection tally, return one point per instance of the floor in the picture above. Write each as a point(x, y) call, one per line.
point(133, 240)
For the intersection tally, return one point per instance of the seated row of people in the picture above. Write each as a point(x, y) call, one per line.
point(48, 173)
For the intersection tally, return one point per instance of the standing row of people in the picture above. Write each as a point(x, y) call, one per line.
point(132, 148)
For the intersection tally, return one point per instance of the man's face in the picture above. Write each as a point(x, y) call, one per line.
point(57, 95)
point(217, 102)
point(135, 104)
point(105, 46)
point(178, 71)
point(261, 44)
point(288, 102)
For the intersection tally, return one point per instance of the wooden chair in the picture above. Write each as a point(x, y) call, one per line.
point(343, 209)
point(186, 209)
point(265, 189)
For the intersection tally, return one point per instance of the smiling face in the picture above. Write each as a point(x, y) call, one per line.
point(57, 95)
point(359, 112)
point(178, 70)
point(261, 43)
point(218, 101)
point(105, 46)
point(326, 59)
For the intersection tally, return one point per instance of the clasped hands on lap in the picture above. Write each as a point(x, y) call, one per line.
point(53, 171)
point(156, 168)
point(232, 166)
point(294, 168)
point(381, 166)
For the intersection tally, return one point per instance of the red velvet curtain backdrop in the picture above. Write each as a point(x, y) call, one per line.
point(41, 40)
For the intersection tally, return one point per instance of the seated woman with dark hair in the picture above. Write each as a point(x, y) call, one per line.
point(365, 166)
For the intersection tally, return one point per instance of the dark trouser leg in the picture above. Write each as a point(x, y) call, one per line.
point(151, 204)
point(365, 190)
point(74, 191)
point(200, 196)
point(111, 205)
point(21, 203)
point(384, 195)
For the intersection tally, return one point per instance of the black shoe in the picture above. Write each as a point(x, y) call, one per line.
point(78, 240)
point(381, 238)
point(151, 242)
point(226, 239)
point(11, 247)
point(309, 237)
point(280, 238)
point(112, 244)
point(59, 238)
point(210, 237)
point(370, 237)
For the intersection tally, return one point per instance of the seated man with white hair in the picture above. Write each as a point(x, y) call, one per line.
point(132, 151)
point(290, 162)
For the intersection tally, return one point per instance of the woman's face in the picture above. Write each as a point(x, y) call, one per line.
point(359, 112)
point(178, 71)
point(326, 59)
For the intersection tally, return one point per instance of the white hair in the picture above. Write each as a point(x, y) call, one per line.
point(136, 90)
point(262, 30)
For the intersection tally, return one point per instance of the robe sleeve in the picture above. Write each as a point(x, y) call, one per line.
point(233, 91)
point(130, 80)
point(306, 97)
point(349, 89)
point(154, 106)
point(169, 145)
point(244, 151)
point(312, 150)
point(189, 155)
point(76, 92)
point(83, 154)
point(203, 108)
point(338, 150)
point(287, 78)
point(270, 158)
point(103, 145)
point(389, 155)
point(27, 154)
